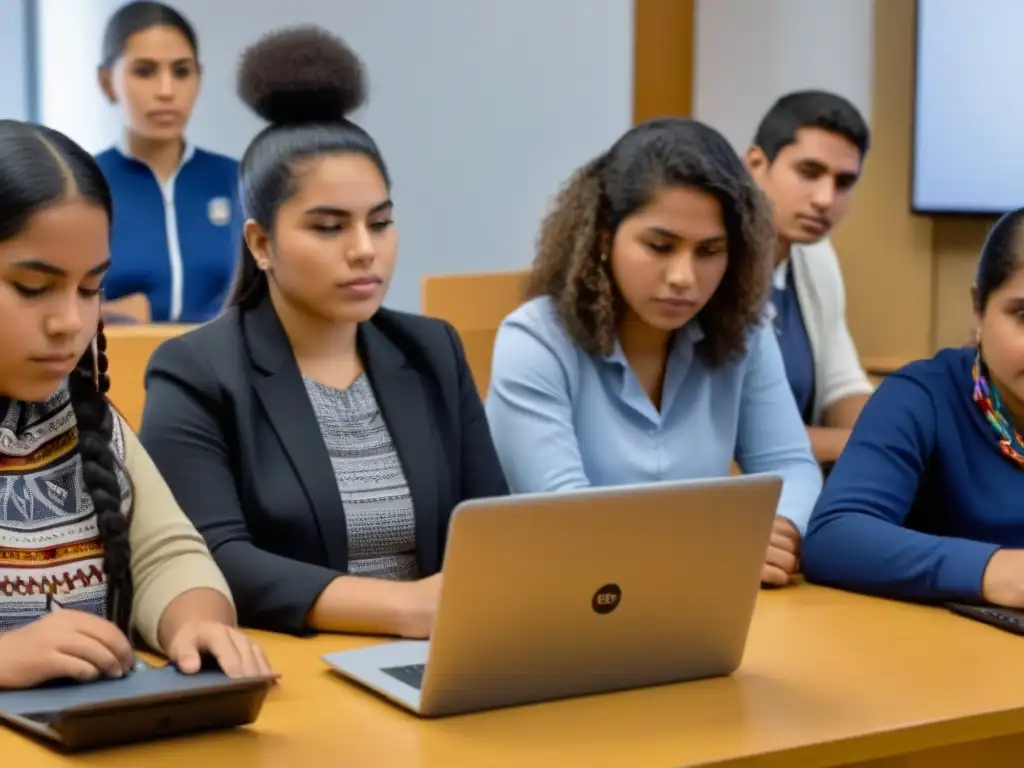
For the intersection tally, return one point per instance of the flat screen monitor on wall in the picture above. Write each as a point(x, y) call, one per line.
point(968, 153)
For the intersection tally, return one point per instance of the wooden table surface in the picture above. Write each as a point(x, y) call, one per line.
point(829, 678)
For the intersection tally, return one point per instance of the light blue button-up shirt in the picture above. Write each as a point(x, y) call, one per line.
point(562, 418)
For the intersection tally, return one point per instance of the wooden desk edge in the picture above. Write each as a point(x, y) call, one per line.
point(906, 739)
point(902, 742)
point(883, 745)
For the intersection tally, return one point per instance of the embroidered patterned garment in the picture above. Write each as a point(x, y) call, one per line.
point(50, 552)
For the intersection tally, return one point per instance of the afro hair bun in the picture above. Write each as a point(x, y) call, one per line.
point(301, 75)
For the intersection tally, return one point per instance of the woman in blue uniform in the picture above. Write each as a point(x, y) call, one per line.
point(177, 216)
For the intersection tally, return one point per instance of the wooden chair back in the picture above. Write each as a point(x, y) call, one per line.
point(129, 348)
point(129, 309)
point(475, 304)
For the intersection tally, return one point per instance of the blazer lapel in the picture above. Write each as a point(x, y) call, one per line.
point(407, 412)
point(283, 395)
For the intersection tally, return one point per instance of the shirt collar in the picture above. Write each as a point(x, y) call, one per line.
point(781, 273)
point(122, 147)
point(687, 336)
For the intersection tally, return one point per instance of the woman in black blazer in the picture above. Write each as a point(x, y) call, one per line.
point(319, 442)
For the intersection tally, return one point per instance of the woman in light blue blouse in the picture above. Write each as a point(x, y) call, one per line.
point(642, 355)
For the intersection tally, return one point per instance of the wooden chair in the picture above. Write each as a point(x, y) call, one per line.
point(877, 368)
point(129, 348)
point(475, 304)
point(128, 309)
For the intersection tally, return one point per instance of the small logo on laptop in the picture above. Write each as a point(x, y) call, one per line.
point(607, 598)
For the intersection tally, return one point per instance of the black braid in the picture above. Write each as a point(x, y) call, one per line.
point(95, 420)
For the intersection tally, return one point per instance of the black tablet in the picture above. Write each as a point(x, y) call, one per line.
point(148, 703)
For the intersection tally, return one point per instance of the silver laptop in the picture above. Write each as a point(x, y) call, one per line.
point(547, 596)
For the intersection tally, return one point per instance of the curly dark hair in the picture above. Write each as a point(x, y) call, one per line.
point(40, 167)
point(301, 75)
point(600, 195)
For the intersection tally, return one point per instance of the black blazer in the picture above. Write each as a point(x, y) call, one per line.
point(230, 426)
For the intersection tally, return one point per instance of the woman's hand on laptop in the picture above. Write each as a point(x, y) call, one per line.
point(64, 644)
point(783, 559)
point(419, 607)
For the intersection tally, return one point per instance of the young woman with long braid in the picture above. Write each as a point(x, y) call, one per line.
point(92, 544)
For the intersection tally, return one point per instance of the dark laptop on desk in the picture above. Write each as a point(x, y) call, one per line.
point(547, 596)
point(1008, 619)
point(148, 703)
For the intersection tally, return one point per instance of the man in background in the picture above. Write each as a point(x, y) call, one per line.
point(806, 156)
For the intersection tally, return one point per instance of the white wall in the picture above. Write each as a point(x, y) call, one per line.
point(750, 52)
point(481, 108)
point(13, 61)
point(70, 38)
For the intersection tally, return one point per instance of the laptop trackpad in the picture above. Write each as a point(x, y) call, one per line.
point(391, 666)
point(388, 668)
point(410, 674)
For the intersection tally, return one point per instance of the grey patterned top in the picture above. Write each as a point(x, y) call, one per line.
point(374, 492)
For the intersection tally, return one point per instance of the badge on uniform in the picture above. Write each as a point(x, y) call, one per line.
point(219, 211)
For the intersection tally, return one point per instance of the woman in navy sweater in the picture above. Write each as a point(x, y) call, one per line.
point(927, 500)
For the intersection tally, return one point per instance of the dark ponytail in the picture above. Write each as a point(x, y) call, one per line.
point(250, 285)
point(40, 167)
point(303, 81)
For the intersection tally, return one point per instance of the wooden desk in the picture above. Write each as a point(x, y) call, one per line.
point(829, 679)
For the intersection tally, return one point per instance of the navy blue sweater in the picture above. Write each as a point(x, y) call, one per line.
point(921, 498)
point(179, 242)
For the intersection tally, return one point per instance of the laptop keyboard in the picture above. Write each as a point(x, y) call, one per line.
point(411, 674)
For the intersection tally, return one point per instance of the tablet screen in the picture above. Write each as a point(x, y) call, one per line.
point(39, 703)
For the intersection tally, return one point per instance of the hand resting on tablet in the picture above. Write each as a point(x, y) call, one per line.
point(66, 644)
point(74, 646)
point(205, 645)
